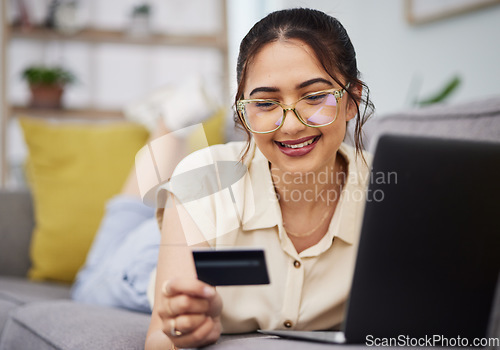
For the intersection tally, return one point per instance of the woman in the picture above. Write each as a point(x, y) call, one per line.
point(300, 199)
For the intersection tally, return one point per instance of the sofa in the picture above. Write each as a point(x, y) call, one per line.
point(36, 315)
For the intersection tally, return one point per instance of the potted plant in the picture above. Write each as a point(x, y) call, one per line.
point(140, 20)
point(47, 85)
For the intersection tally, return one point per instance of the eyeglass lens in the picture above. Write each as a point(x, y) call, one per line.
point(315, 110)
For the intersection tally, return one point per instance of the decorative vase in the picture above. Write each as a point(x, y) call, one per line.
point(140, 26)
point(46, 96)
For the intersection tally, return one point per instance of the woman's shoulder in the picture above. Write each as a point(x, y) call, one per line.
point(231, 151)
point(196, 174)
point(362, 158)
point(359, 163)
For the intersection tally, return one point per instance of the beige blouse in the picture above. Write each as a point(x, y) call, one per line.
point(308, 291)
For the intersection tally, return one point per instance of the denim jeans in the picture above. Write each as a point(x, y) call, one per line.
point(122, 257)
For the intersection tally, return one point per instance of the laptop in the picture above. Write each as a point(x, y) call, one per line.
point(428, 260)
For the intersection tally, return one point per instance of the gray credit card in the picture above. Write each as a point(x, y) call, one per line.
point(231, 267)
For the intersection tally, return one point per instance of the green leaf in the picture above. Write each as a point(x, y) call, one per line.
point(48, 75)
point(445, 92)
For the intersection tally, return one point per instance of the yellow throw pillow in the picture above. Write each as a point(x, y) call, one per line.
point(73, 169)
point(213, 130)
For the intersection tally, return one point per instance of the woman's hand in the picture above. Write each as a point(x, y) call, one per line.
point(190, 312)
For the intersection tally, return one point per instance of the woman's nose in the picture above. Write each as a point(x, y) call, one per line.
point(291, 124)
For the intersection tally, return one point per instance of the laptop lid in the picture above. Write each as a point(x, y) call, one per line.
point(429, 252)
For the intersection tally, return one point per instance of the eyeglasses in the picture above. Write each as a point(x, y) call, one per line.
point(315, 110)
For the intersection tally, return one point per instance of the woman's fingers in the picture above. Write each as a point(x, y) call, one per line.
point(181, 326)
point(189, 296)
point(215, 306)
point(207, 333)
point(190, 311)
point(185, 304)
point(188, 323)
point(191, 286)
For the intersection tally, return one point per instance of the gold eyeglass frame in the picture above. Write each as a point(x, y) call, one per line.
point(240, 107)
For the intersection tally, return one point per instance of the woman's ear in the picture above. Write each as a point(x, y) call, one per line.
point(352, 108)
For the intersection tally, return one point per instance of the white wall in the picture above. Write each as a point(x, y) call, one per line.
point(393, 55)
point(110, 75)
point(242, 15)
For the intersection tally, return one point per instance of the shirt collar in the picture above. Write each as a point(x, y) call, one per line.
point(266, 212)
point(345, 223)
point(348, 215)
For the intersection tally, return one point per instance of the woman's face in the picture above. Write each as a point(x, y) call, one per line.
point(286, 71)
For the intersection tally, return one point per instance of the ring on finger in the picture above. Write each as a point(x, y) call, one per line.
point(174, 332)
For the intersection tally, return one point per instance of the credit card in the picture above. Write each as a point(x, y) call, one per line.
point(231, 267)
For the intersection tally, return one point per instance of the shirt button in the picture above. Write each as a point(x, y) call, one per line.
point(297, 264)
point(288, 324)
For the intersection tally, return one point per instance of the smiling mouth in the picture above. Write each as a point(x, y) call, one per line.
point(299, 145)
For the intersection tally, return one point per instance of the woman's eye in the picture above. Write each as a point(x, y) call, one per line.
point(265, 105)
point(315, 99)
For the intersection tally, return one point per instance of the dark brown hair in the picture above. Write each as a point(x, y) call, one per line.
point(327, 38)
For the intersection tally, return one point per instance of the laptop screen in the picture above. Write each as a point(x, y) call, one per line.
point(429, 252)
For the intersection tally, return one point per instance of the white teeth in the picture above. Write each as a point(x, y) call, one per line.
point(299, 145)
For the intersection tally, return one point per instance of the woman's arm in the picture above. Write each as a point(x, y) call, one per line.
point(182, 302)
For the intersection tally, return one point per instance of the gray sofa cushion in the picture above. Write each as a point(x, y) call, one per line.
point(21, 291)
point(16, 226)
point(16, 291)
point(274, 343)
point(73, 326)
point(479, 120)
point(6, 308)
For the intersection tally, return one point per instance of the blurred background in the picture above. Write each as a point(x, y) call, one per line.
point(111, 53)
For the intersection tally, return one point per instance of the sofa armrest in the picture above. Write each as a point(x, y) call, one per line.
point(477, 120)
point(16, 226)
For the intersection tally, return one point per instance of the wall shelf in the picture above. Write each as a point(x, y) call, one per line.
point(216, 41)
point(80, 113)
point(91, 35)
